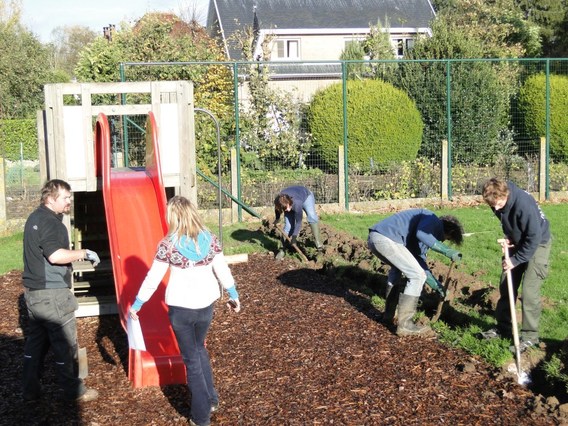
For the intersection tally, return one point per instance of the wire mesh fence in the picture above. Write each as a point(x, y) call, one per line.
point(351, 127)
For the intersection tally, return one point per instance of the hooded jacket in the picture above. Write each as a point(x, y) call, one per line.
point(524, 224)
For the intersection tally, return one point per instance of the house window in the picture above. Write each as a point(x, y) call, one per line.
point(288, 49)
point(402, 45)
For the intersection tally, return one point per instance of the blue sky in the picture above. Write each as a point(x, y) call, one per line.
point(43, 16)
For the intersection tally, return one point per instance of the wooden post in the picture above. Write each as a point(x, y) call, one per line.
point(444, 170)
point(542, 170)
point(3, 215)
point(42, 154)
point(341, 175)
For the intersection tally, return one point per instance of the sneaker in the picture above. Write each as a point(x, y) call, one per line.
point(192, 423)
point(89, 395)
point(490, 334)
point(215, 407)
point(523, 346)
point(280, 255)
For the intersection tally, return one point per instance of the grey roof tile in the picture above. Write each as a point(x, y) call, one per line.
point(313, 14)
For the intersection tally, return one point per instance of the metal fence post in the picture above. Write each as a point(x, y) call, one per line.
point(341, 176)
point(444, 170)
point(234, 185)
point(547, 139)
point(449, 120)
point(345, 163)
point(543, 162)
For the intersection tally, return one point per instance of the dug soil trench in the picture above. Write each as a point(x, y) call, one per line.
point(307, 348)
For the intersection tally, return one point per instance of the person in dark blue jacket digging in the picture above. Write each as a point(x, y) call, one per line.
point(402, 241)
point(292, 202)
point(529, 241)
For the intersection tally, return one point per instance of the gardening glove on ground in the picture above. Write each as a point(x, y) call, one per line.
point(435, 285)
point(450, 253)
point(93, 257)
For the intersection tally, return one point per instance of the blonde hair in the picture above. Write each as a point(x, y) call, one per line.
point(183, 219)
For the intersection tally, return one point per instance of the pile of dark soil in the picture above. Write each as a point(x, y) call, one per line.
point(307, 349)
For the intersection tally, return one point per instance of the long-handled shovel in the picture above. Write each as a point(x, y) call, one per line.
point(522, 377)
point(442, 301)
point(302, 255)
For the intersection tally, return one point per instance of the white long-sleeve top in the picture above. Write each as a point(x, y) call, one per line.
point(192, 285)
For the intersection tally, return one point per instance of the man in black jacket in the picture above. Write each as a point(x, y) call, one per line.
point(49, 300)
point(527, 232)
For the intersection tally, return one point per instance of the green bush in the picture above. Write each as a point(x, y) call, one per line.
point(532, 104)
point(14, 132)
point(383, 124)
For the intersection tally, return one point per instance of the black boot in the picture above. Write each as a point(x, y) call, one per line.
point(391, 302)
point(281, 250)
point(317, 235)
point(406, 310)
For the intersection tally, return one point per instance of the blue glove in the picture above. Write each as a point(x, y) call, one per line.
point(93, 257)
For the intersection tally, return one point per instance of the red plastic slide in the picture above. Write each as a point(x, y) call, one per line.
point(135, 208)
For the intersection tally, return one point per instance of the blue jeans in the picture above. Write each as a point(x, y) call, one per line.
point(309, 208)
point(401, 261)
point(52, 324)
point(190, 327)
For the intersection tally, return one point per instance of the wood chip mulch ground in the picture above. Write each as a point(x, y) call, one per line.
point(305, 351)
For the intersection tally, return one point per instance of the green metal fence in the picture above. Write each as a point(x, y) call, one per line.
point(492, 113)
point(476, 105)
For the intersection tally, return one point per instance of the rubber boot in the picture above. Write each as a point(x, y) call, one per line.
point(281, 253)
point(317, 235)
point(406, 309)
point(391, 303)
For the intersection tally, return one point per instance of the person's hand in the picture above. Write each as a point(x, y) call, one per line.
point(454, 256)
point(435, 285)
point(440, 290)
point(92, 257)
point(234, 305)
point(507, 264)
point(133, 314)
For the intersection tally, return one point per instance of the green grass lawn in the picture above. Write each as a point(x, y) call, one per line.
point(11, 253)
point(482, 257)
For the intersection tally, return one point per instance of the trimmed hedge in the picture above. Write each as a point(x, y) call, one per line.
point(14, 132)
point(384, 124)
point(532, 103)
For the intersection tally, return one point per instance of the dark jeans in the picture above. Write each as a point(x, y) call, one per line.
point(530, 274)
point(190, 327)
point(51, 324)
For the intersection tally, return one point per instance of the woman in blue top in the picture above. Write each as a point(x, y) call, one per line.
point(402, 241)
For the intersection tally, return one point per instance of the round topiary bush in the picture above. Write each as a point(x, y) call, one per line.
point(532, 103)
point(383, 124)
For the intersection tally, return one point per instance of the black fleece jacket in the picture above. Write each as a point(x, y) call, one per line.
point(523, 223)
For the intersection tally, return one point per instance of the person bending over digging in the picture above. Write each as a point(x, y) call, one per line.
point(527, 232)
point(402, 241)
point(293, 202)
